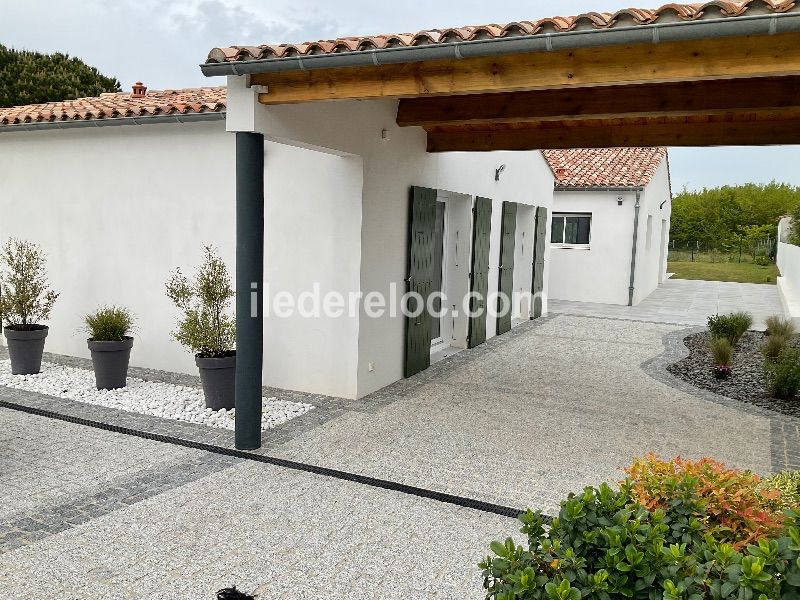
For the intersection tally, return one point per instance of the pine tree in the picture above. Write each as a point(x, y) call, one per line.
point(34, 78)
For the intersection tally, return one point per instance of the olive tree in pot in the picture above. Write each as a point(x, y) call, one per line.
point(25, 300)
point(207, 328)
point(110, 345)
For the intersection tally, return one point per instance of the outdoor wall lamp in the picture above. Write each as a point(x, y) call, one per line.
point(619, 200)
point(497, 172)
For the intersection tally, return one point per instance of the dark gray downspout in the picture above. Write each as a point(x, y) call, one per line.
point(249, 287)
point(633, 248)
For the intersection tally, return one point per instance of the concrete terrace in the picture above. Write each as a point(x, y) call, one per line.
point(555, 405)
point(686, 302)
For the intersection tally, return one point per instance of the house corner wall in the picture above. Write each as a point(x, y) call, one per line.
point(601, 272)
point(652, 251)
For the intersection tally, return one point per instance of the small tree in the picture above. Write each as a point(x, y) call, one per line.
point(25, 294)
point(206, 327)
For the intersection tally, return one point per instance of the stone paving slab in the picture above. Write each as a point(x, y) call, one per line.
point(686, 302)
point(553, 405)
point(280, 533)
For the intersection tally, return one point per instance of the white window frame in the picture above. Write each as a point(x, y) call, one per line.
point(564, 216)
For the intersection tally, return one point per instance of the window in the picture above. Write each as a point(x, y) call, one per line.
point(649, 234)
point(571, 229)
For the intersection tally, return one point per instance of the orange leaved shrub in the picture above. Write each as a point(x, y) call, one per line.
point(728, 501)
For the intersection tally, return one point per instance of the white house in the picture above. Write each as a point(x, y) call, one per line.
point(610, 224)
point(122, 188)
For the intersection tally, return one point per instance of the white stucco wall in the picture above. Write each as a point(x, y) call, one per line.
point(394, 159)
point(601, 272)
point(788, 261)
point(118, 215)
point(651, 264)
point(117, 208)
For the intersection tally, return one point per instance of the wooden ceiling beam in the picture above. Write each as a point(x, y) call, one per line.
point(630, 134)
point(723, 58)
point(644, 100)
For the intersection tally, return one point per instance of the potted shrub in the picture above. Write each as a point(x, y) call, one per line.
point(207, 328)
point(110, 345)
point(25, 300)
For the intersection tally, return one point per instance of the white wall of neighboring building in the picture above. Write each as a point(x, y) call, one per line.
point(601, 272)
point(788, 262)
point(116, 209)
point(136, 202)
point(653, 244)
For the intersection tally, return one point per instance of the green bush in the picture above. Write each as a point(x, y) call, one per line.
point(788, 482)
point(109, 324)
point(774, 346)
point(721, 351)
point(206, 327)
point(777, 325)
point(762, 261)
point(783, 374)
point(604, 546)
point(732, 326)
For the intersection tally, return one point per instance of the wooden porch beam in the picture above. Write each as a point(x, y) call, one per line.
point(631, 134)
point(645, 100)
point(723, 58)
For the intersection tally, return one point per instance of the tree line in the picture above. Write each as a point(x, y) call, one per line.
point(723, 218)
point(34, 78)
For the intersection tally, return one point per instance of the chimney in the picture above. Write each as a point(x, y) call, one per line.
point(139, 90)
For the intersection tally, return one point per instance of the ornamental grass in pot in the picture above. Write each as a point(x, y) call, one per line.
point(25, 301)
point(207, 327)
point(110, 345)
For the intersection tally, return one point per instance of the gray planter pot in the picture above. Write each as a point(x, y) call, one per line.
point(25, 349)
point(219, 381)
point(110, 361)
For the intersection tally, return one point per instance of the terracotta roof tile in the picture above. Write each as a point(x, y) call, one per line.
point(605, 167)
point(117, 105)
point(593, 20)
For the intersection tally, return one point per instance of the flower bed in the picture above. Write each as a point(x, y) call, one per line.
point(747, 382)
point(158, 399)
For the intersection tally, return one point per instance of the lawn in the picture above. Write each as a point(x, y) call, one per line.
point(744, 272)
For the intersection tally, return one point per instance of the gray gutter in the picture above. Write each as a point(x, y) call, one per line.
point(680, 31)
point(599, 188)
point(633, 248)
point(115, 121)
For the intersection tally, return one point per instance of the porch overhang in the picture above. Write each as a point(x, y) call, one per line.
point(711, 81)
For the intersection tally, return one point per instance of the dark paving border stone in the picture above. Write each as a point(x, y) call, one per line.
point(785, 430)
point(22, 529)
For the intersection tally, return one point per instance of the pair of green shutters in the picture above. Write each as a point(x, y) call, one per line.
point(422, 223)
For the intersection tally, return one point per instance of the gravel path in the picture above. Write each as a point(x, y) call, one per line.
point(154, 398)
point(562, 405)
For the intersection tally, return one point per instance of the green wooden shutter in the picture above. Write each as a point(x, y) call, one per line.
point(538, 261)
point(421, 226)
point(506, 284)
point(479, 271)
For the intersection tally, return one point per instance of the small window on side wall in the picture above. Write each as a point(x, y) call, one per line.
point(571, 229)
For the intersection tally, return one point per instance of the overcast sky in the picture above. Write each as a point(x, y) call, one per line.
point(162, 43)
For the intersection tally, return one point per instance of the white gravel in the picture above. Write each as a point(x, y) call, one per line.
point(146, 397)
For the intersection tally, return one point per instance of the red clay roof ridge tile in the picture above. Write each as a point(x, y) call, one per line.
point(595, 20)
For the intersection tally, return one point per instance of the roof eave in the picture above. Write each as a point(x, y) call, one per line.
point(599, 188)
point(766, 24)
point(116, 121)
